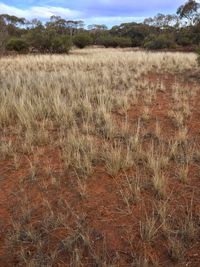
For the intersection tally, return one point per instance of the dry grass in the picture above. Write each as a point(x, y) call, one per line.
point(81, 136)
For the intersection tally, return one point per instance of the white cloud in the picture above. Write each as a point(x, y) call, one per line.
point(45, 12)
point(110, 21)
point(41, 12)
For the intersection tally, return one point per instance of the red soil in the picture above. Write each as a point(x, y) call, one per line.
point(102, 210)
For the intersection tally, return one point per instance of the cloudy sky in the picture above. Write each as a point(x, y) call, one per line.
point(109, 12)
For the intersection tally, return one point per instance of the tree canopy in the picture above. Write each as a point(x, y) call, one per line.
point(58, 35)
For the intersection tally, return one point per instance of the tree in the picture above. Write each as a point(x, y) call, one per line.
point(34, 23)
point(48, 41)
point(189, 11)
point(97, 30)
point(163, 21)
point(62, 26)
point(82, 40)
point(74, 26)
point(3, 35)
point(13, 19)
point(137, 32)
point(38, 39)
point(97, 27)
point(57, 34)
point(13, 24)
point(57, 24)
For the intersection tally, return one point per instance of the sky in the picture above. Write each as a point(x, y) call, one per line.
point(109, 12)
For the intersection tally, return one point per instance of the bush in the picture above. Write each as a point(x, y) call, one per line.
point(184, 40)
point(124, 41)
point(137, 41)
point(159, 42)
point(60, 44)
point(82, 40)
point(198, 53)
point(17, 44)
point(107, 41)
point(48, 42)
point(38, 40)
point(185, 37)
point(114, 41)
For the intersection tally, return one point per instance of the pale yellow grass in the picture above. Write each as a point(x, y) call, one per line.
point(80, 108)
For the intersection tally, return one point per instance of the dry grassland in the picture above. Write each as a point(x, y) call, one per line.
point(100, 159)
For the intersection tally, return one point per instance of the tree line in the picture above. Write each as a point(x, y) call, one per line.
point(58, 35)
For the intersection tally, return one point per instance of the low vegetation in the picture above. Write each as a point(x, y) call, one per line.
point(99, 158)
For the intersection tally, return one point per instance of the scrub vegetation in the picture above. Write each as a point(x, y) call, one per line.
point(180, 31)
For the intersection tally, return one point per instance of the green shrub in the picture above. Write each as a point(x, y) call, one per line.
point(124, 41)
point(107, 41)
point(114, 41)
point(60, 44)
point(48, 42)
point(137, 41)
point(17, 44)
point(82, 40)
point(154, 42)
point(37, 40)
point(184, 41)
point(198, 53)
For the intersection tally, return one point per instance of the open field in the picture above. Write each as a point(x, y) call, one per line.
point(100, 159)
